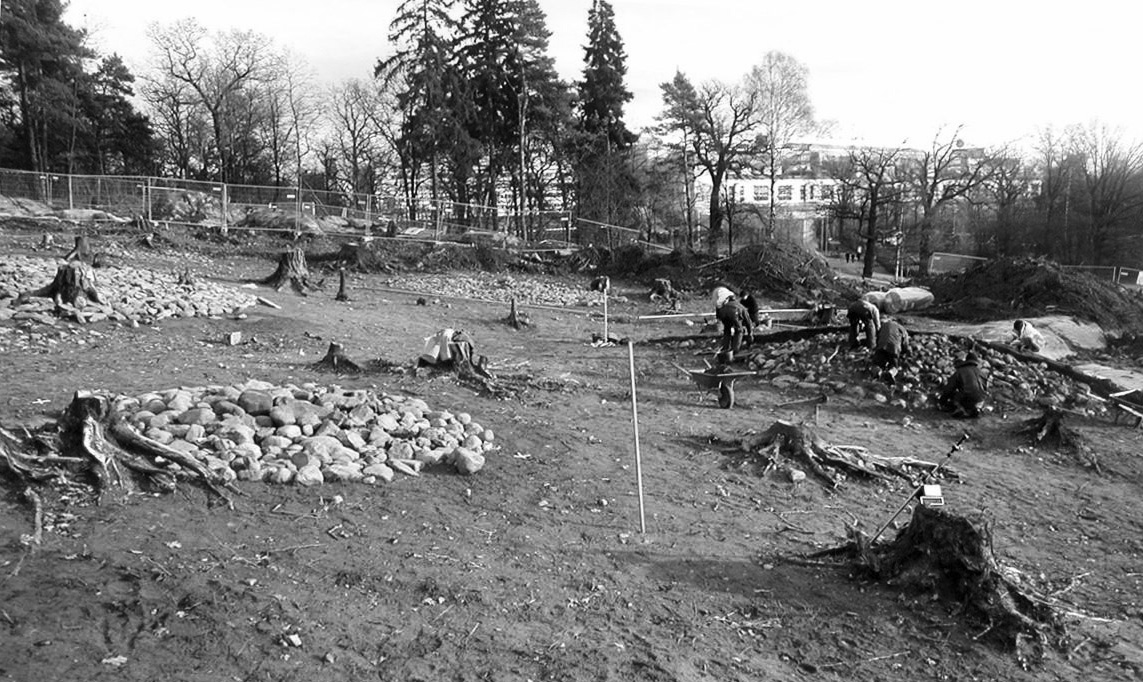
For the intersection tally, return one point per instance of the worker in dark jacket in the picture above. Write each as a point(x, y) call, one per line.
point(751, 305)
point(892, 343)
point(736, 325)
point(863, 317)
point(965, 391)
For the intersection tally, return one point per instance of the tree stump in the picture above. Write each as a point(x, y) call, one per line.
point(829, 463)
point(291, 271)
point(119, 456)
point(940, 552)
point(342, 290)
point(336, 360)
point(81, 250)
point(1049, 429)
point(515, 319)
point(74, 284)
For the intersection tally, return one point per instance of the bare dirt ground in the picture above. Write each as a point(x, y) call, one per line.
point(534, 568)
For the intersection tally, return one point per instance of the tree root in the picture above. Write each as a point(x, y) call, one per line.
point(942, 553)
point(291, 272)
point(73, 284)
point(829, 463)
point(1049, 429)
point(98, 441)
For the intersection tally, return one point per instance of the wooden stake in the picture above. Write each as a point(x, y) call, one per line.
point(606, 290)
point(635, 428)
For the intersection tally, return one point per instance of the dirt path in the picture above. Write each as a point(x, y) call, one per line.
point(534, 568)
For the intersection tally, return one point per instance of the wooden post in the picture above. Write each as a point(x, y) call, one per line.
point(635, 429)
point(606, 289)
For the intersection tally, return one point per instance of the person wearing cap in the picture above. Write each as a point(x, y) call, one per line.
point(966, 390)
point(1026, 337)
point(863, 316)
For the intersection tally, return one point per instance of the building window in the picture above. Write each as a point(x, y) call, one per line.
point(827, 192)
point(762, 193)
point(785, 192)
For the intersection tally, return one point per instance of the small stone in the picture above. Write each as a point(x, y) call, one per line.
point(255, 402)
point(379, 470)
point(283, 414)
point(197, 415)
point(234, 338)
point(797, 475)
point(467, 461)
point(309, 476)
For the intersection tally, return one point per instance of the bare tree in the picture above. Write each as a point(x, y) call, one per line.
point(722, 122)
point(940, 175)
point(781, 87)
point(215, 68)
point(870, 190)
point(1112, 182)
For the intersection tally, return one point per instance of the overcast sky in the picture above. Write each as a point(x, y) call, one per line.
point(885, 71)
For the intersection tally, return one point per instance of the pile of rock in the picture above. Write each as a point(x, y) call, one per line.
point(130, 294)
point(825, 364)
point(498, 287)
point(307, 434)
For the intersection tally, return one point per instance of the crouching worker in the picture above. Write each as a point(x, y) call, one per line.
point(966, 390)
point(1026, 337)
point(864, 317)
point(736, 325)
point(892, 343)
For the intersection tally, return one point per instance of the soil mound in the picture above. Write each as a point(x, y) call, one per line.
point(781, 270)
point(1005, 288)
point(774, 269)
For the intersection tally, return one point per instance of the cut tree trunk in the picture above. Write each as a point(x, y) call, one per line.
point(336, 360)
point(515, 319)
point(81, 250)
point(120, 457)
point(942, 553)
point(342, 289)
point(830, 463)
point(292, 271)
point(1049, 429)
point(73, 285)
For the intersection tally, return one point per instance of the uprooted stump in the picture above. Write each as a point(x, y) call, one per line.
point(949, 555)
point(73, 285)
point(337, 361)
point(292, 272)
point(120, 457)
point(831, 463)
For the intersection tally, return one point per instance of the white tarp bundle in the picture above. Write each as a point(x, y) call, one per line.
point(900, 299)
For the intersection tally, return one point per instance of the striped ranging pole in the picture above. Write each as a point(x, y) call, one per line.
point(635, 427)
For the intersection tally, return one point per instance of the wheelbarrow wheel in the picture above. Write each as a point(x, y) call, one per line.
point(726, 395)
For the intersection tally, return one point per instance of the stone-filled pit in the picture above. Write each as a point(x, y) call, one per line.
point(825, 364)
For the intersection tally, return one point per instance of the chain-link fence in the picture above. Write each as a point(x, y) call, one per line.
point(175, 201)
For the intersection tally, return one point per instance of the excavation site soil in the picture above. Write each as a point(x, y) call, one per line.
point(536, 566)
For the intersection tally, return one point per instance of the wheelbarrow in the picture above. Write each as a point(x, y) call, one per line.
point(710, 380)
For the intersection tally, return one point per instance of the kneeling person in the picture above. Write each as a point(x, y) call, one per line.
point(965, 391)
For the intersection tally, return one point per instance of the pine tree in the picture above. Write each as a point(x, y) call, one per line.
point(423, 30)
point(602, 91)
point(41, 57)
point(606, 189)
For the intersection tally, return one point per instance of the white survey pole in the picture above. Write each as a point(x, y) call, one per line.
point(635, 429)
